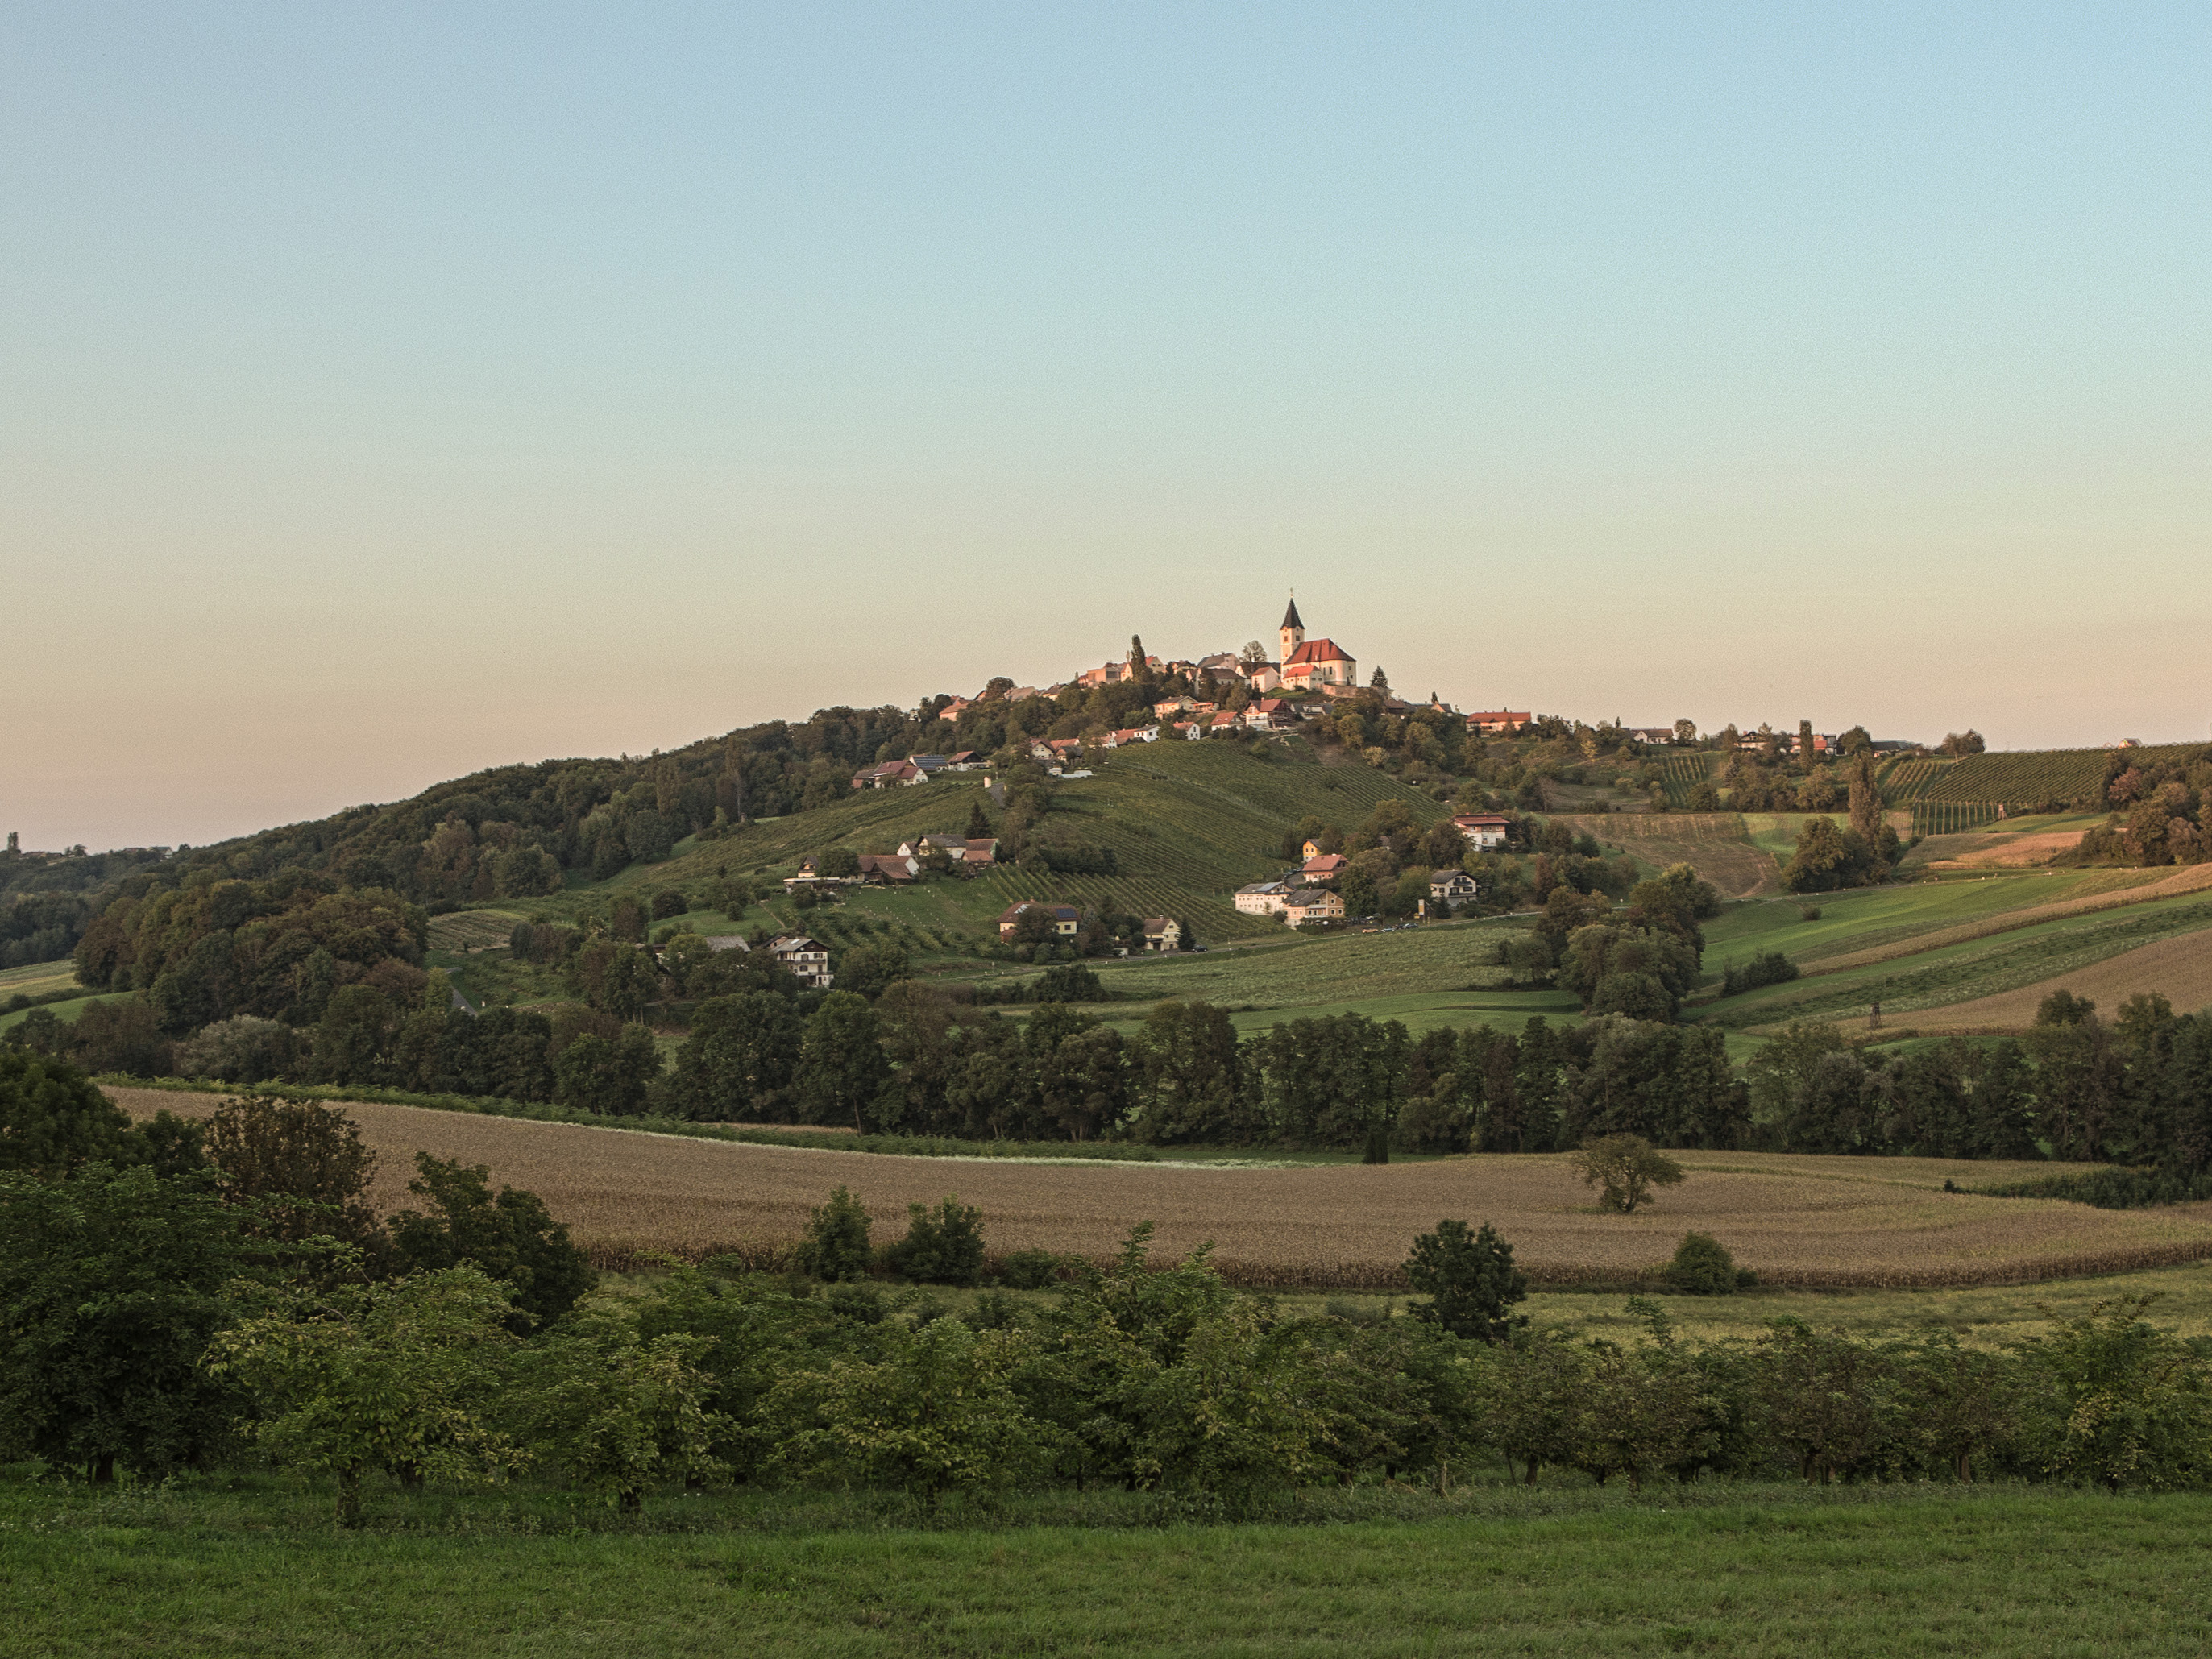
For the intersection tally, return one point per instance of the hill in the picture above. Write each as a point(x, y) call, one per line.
point(1187, 823)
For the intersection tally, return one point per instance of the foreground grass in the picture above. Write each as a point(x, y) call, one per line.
point(1745, 1571)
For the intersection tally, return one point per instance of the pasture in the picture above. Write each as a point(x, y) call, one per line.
point(2180, 968)
point(252, 1568)
point(1802, 1221)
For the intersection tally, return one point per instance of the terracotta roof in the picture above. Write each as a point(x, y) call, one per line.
point(1316, 651)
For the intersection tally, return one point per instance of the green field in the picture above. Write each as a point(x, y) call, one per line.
point(64, 1012)
point(34, 977)
point(249, 1567)
point(1976, 967)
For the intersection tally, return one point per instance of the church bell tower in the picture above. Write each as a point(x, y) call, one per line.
point(1294, 631)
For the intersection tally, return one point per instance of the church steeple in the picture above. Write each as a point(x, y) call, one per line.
point(1294, 631)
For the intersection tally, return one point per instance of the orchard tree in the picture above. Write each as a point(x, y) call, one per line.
point(1470, 1281)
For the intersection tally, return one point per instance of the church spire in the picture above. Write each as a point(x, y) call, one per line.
point(1290, 617)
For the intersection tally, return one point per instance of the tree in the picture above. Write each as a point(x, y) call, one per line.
point(1624, 1169)
point(943, 1246)
point(869, 970)
point(616, 1409)
point(510, 1236)
point(841, 1067)
point(835, 1247)
point(741, 1058)
point(1686, 731)
point(1470, 1281)
point(979, 822)
point(2125, 1402)
point(839, 863)
point(53, 1118)
point(1865, 801)
point(611, 1077)
point(112, 1281)
point(301, 1164)
point(401, 1376)
point(939, 1414)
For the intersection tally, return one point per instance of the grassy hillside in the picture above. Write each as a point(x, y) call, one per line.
point(1188, 823)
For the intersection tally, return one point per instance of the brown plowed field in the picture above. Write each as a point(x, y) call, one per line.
point(1803, 1221)
point(1714, 844)
point(1980, 852)
point(2181, 967)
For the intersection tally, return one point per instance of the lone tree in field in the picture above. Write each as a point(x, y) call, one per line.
point(1470, 1281)
point(1624, 1169)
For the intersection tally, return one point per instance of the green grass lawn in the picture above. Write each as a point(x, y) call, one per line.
point(65, 1011)
point(1749, 1570)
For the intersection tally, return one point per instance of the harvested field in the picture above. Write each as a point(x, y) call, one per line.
point(2181, 967)
point(1986, 851)
point(473, 930)
point(1798, 1221)
point(1717, 845)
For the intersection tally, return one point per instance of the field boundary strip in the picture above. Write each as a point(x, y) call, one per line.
point(2195, 879)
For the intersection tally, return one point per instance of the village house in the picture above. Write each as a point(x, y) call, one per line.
point(965, 759)
point(891, 775)
point(1312, 904)
point(1130, 735)
point(810, 875)
point(1162, 933)
point(1064, 918)
point(892, 870)
point(1323, 867)
point(1652, 733)
point(1269, 714)
point(1486, 830)
point(1262, 898)
point(1497, 722)
point(807, 958)
point(1453, 886)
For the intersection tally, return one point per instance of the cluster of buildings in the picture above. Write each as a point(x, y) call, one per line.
point(1306, 894)
point(806, 956)
point(1160, 932)
point(966, 855)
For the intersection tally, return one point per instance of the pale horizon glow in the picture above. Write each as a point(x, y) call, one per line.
point(392, 393)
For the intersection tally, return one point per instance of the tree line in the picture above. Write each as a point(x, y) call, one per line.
point(220, 1299)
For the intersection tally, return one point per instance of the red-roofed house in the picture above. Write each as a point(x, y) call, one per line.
point(1498, 720)
point(1484, 829)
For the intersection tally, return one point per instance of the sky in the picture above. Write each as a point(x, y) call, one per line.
point(390, 391)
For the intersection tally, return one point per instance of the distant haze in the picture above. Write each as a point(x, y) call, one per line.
point(387, 392)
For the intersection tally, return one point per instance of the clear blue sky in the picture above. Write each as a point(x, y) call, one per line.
point(389, 391)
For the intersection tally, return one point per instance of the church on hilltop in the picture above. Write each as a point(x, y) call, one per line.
point(1308, 663)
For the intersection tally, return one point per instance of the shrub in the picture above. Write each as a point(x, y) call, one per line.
point(1702, 1267)
point(1767, 968)
point(941, 1247)
point(1028, 1270)
point(511, 1235)
point(1809, 913)
point(1070, 982)
point(669, 903)
point(835, 1246)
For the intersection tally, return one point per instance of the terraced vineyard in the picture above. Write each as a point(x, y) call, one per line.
point(2031, 777)
point(1678, 775)
point(1903, 780)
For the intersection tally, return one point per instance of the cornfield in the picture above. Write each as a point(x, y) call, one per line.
point(1811, 1222)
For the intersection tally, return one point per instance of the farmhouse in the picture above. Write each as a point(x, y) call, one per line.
point(1262, 898)
point(1064, 918)
point(807, 958)
point(1162, 933)
point(1453, 886)
point(1312, 904)
point(891, 775)
point(1486, 830)
point(1323, 867)
point(892, 870)
point(1496, 721)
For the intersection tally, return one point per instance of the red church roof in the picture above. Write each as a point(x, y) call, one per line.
point(1318, 651)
